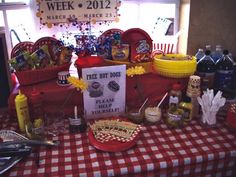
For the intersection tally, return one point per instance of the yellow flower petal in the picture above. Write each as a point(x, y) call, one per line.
point(80, 84)
point(137, 70)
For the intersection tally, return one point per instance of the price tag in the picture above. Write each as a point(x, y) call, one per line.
point(62, 11)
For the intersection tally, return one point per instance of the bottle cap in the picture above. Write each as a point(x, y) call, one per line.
point(20, 96)
point(176, 86)
point(218, 46)
point(208, 47)
point(207, 52)
point(186, 99)
point(225, 52)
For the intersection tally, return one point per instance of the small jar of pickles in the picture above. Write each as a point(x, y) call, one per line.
point(174, 117)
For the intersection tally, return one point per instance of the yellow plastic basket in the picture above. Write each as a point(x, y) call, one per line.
point(146, 65)
point(175, 66)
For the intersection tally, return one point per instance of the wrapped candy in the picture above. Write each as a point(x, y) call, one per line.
point(210, 105)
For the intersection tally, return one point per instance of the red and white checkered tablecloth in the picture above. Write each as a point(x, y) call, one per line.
point(160, 151)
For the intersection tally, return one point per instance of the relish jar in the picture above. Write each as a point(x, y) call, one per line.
point(174, 117)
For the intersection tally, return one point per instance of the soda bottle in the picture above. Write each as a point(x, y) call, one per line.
point(206, 71)
point(36, 105)
point(208, 47)
point(224, 72)
point(217, 54)
point(199, 54)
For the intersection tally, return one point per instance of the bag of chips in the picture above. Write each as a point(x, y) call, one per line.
point(22, 62)
point(41, 57)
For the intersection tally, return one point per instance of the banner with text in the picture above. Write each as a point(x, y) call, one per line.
point(105, 96)
point(62, 11)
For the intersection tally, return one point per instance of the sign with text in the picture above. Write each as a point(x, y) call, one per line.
point(105, 96)
point(62, 11)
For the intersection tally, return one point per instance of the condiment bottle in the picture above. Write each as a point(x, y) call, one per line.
point(36, 105)
point(22, 110)
point(187, 106)
point(175, 94)
point(174, 117)
point(77, 123)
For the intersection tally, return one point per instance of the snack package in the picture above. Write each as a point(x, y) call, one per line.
point(140, 51)
point(65, 55)
point(120, 52)
point(22, 62)
point(41, 57)
point(54, 49)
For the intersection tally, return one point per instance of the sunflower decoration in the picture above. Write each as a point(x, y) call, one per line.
point(79, 84)
point(137, 70)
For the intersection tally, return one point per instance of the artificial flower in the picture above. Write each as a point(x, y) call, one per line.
point(137, 70)
point(80, 84)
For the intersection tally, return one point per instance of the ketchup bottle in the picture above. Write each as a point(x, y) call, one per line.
point(36, 105)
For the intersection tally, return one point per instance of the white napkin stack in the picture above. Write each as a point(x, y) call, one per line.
point(210, 105)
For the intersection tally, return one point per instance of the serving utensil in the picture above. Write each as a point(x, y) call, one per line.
point(30, 143)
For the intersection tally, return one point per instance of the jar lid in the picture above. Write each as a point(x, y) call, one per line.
point(186, 99)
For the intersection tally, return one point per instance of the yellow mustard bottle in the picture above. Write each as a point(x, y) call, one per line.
point(22, 110)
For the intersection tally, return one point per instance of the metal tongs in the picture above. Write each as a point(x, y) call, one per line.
point(22, 147)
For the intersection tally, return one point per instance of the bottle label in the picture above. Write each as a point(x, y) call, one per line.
point(174, 100)
point(174, 117)
point(187, 113)
point(75, 121)
point(207, 80)
point(224, 79)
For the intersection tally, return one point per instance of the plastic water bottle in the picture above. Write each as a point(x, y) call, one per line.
point(200, 53)
point(224, 72)
point(217, 54)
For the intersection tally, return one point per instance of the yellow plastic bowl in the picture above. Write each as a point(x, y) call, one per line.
point(177, 68)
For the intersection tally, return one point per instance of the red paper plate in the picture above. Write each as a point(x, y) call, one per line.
point(111, 146)
point(139, 51)
point(134, 35)
point(111, 32)
point(44, 41)
point(22, 46)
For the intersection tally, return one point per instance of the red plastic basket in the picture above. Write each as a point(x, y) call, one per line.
point(22, 46)
point(36, 76)
point(47, 41)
